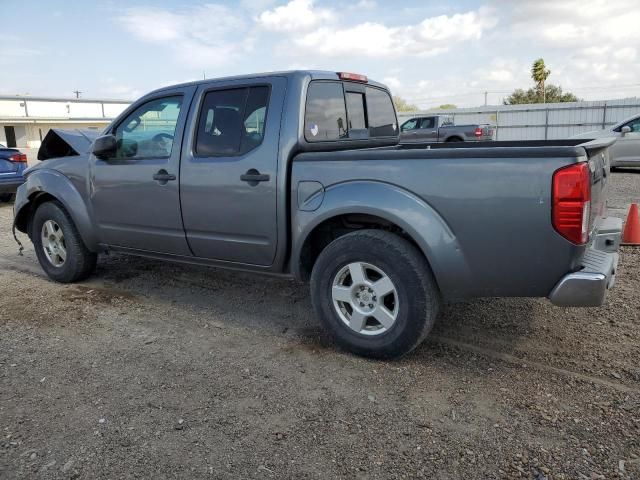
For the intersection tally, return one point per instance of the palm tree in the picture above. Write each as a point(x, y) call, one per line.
point(539, 73)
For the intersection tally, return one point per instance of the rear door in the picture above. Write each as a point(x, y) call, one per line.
point(428, 131)
point(228, 185)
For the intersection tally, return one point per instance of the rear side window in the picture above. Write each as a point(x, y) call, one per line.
point(382, 116)
point(232, 121)
point(325, 116)
point(333, 114)
point(428, 122)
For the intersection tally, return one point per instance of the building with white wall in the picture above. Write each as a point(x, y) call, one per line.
point(24, 121)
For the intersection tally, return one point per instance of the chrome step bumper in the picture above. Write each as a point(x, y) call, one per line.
point(588, 287)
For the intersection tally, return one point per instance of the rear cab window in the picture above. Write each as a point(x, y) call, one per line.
point(337, 110)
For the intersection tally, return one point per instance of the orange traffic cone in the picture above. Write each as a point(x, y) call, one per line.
point(631, 234)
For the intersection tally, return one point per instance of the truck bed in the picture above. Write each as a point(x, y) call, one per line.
point(494, 197)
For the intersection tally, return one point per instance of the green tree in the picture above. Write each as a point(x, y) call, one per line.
point(540, 73)
point(541, 92)
point(403, 106)
point(447, 106)
point(553, 94)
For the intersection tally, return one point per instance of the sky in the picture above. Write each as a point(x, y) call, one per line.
point(428, 52)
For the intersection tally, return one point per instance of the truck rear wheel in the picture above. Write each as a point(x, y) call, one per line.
point(59, 247)
point(375, 293)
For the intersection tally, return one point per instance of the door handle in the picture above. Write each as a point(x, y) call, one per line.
point(253, 177)
point(163, 176)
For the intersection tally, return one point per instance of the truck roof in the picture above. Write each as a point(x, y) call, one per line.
point(313, 74)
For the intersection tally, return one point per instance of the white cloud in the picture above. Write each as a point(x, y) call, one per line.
point(198, 36)
point(500, 75)
point(297, 15)
point(393, 83)
point(432, 36)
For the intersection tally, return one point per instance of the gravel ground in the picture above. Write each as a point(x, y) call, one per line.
point(155, 370)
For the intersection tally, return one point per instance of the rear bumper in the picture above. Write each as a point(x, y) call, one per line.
point(10, 185)
point(588, 287)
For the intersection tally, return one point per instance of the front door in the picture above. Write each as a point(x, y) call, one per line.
point(135, 196)
point(229, 177)
point(626, 150)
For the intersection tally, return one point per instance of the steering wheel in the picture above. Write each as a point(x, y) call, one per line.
point(162, 136)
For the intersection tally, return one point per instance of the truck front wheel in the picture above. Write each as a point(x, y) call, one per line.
point(375, 293)
point(58, 245)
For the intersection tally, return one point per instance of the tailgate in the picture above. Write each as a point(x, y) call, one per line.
point(597, 152)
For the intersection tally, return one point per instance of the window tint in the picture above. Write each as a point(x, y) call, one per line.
point(149, 130)
point(232, 122)
point(355, 110)
point(382, 116)
point(254, 118)
point(325, 115)
point(634, 125)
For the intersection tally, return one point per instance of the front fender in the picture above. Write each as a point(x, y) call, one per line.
point(400, 207)
point(51, 182)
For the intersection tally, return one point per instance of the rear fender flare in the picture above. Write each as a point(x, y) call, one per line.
point(400, 207)
point(51, 182)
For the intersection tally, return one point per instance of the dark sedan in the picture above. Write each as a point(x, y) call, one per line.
point(12, 164)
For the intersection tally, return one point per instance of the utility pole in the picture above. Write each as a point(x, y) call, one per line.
point(77, 92)
point(485, 98)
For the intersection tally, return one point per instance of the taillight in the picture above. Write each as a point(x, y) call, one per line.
point(478, 132)
point(18, 158)
point(572, 202)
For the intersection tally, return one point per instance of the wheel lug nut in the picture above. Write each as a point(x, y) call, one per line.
point(371, 305)
point(361, 304)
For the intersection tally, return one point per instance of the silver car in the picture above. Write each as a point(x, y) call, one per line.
point(626, 151)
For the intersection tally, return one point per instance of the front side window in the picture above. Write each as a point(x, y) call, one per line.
point(634, 125)
point(409, 125)
point(149, 131)
point(232, 121)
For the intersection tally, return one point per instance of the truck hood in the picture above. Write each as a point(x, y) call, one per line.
point(65, 143)
point(596, 134)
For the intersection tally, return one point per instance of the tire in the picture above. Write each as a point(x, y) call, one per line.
point(6, 197)
point(414, 302)
point(78, 262)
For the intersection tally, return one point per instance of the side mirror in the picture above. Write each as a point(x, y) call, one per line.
point(625, 129)
point(105, 147)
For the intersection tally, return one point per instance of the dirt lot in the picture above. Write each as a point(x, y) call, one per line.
point(153, 370)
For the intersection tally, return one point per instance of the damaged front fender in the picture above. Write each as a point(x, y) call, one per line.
point(44, 184)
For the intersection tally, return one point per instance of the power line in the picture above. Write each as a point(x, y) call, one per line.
point(485, 92)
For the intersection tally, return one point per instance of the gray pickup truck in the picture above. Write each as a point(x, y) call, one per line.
point(300, 173)
point(441, 128)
